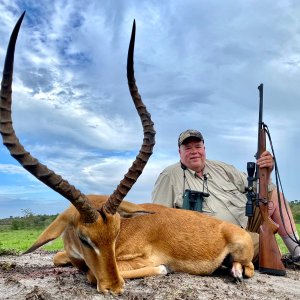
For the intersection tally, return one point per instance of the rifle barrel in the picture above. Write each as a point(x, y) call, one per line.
point(260, 117)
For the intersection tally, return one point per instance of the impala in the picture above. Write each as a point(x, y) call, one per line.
point(111, 239)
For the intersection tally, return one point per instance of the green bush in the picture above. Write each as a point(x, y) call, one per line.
point(31, 221)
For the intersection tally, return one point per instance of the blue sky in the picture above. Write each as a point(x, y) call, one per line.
point(197, 65)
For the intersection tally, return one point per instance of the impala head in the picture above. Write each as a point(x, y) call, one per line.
point(96, 227)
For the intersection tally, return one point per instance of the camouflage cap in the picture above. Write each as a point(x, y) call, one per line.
point(190, 133)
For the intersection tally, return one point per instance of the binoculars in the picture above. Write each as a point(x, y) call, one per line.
point(192, 200)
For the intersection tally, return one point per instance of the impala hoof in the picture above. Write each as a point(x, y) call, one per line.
point(109, 290)
point(164, 270)
point(237, 271)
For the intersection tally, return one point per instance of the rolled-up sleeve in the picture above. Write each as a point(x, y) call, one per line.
point(239, 179)
point(163, 190)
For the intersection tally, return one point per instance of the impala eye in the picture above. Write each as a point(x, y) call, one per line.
point(85, 242)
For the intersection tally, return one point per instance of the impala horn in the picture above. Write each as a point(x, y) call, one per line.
point(146, 150)
point(31, 164)
point(88, 213)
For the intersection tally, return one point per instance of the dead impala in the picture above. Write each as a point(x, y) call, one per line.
point(110, 239)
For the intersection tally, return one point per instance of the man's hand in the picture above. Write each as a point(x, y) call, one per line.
point(266, 161)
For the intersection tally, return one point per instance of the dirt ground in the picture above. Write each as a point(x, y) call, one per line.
point(33, 276)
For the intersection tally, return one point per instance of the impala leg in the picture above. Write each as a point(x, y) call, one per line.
point(61, 259)
point(144, 272)
point(237, 270)
point(249, 270)
point(91, 278)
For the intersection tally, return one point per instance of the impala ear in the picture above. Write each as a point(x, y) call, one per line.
point(131, 210)
point(128, 215)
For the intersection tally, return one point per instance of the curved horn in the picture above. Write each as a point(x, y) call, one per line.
point(31, 164)
point(148, 143)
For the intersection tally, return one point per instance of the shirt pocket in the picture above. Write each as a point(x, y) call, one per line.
point(233, 195)
point(178, 201)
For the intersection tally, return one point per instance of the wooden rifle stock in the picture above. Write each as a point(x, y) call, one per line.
point(269, 253)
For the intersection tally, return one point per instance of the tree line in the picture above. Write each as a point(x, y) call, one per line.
point(27, 221)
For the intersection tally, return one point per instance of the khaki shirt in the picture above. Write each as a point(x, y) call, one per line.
point(225, 184)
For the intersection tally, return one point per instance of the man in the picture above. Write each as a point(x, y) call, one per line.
point(224, 184)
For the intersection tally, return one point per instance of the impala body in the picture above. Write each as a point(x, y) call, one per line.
point(112, 240)
point(152, 240)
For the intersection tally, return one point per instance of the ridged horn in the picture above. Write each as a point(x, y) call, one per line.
point(31, 164)
point(148, 142)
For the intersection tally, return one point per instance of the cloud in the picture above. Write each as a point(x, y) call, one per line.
point(11, 169)
point(197, 65)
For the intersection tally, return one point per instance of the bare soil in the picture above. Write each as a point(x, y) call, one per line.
point(33, 276)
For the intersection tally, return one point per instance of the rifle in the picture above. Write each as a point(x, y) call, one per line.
point(269, 253)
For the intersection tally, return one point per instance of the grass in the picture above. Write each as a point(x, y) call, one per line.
point(281, 245)
point(22, 239)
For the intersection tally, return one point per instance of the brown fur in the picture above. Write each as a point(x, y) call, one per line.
point(181, 240)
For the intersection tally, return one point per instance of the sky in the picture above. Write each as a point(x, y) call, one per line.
point(197, 65)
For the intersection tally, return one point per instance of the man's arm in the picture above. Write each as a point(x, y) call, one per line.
point(163, 190)
point(239, 179)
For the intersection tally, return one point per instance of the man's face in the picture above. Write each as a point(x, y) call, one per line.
point(192, 155)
